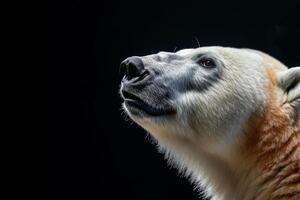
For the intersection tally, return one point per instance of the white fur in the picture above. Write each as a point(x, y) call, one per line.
point(201, 139)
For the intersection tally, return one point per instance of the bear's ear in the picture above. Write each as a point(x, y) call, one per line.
point(289, 81)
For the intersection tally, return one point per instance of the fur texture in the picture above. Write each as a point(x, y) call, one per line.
point(236, 130)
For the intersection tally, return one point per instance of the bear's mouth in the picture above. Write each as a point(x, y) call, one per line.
point(136, 105)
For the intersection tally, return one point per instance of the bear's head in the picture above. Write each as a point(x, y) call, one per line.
point(205, 106)
point(209, 92)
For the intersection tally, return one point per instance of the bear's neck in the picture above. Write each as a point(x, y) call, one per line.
point(259, 167)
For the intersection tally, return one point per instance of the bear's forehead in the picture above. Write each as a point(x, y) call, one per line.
point(229, 55)
point(216, 50)
point(192, 52)
point(226, 54)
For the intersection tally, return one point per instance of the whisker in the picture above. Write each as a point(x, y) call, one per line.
point(197, 41)
point(174, 49)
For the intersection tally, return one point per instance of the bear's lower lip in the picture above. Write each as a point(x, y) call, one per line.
point(146, 108)
point(137, 106)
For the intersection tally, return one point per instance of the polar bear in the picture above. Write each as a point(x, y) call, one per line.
point(228, 118)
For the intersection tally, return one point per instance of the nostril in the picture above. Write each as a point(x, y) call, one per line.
point(132, 71)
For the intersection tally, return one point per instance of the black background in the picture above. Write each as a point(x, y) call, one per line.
point(93, 152)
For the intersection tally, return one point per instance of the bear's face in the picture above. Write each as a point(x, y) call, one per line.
point(220, 115)
point(208, 91)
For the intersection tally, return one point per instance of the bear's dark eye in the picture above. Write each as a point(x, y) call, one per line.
point(206, 62)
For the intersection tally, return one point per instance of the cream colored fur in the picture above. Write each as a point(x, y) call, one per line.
point(204, 139)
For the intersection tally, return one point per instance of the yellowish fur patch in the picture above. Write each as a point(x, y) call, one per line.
point(272, 148)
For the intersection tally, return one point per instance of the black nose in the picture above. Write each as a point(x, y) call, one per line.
point(132, 67)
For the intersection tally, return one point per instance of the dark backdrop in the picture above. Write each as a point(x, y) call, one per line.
point(93, 152)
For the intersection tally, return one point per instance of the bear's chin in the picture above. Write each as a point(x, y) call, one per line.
point(142, 109)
